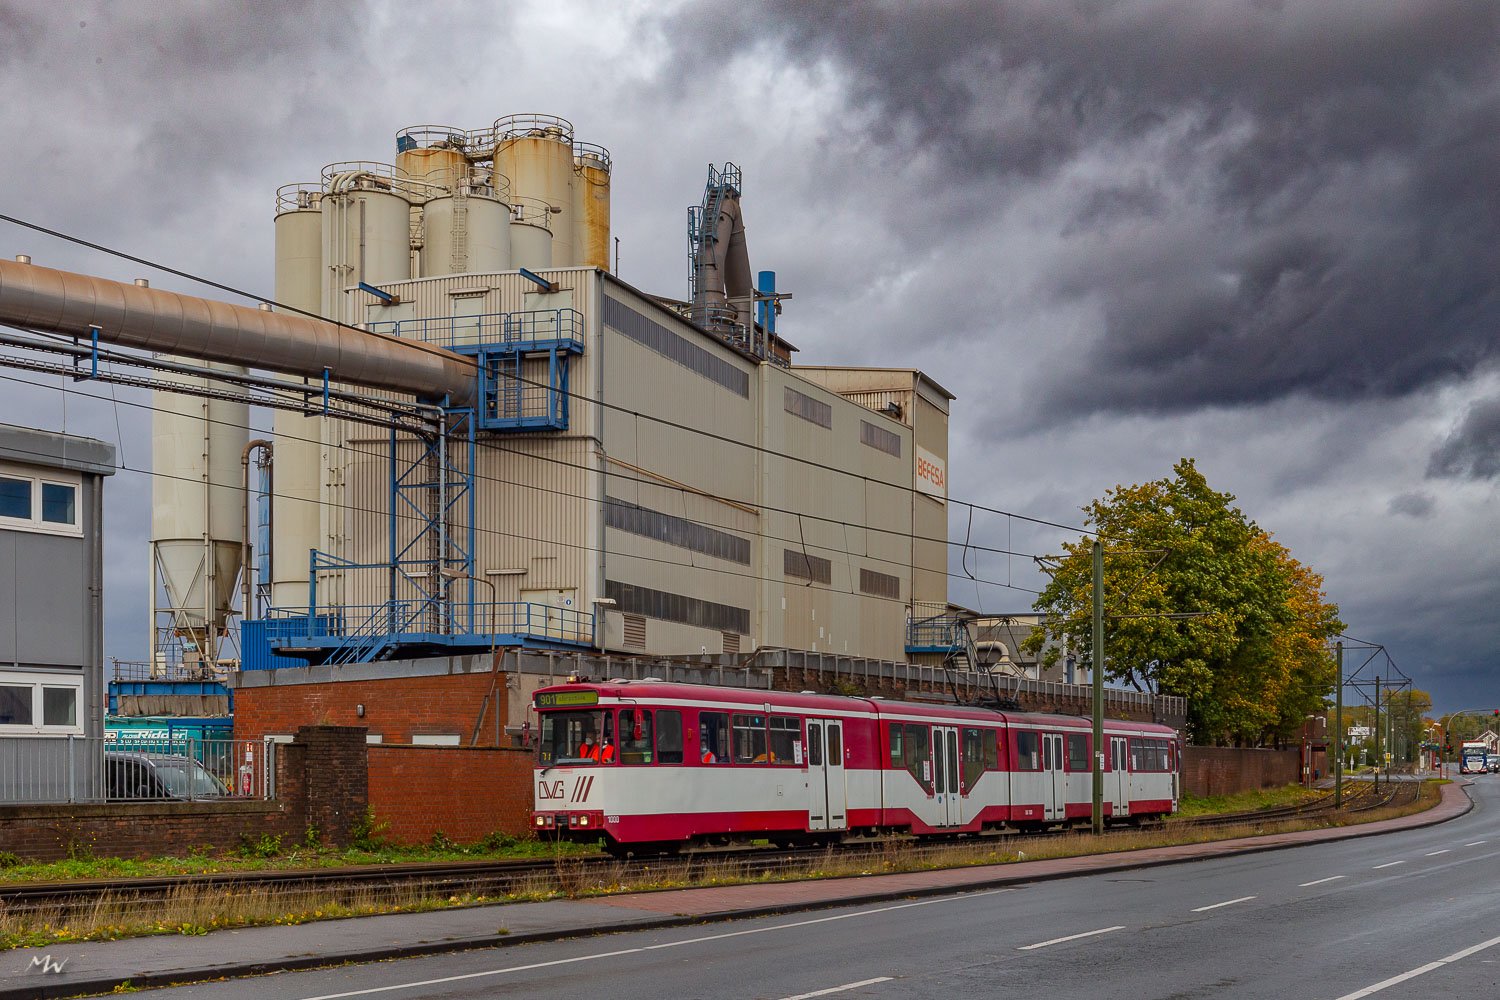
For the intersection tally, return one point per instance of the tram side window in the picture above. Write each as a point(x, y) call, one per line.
point(668, 737)
point(917, 754)
point(1028, 752)
point(974, 763)
point(1150, 755)
point(749, 739)
point(563, 736)
point(635, 736)
point(785, 731)
point(835, 744)
point(893, 735)
point(1078, 753)
point(713, 737)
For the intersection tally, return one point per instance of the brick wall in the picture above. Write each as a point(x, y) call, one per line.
point(1225, 770)
point(466, 793)
point(396, 708)
point(319, 778)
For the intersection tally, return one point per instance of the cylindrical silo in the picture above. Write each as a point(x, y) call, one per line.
point(536, 153)
point(531, 239)
point(366, 237)
point(465, 233)
point(590, 220)
point(298, 459)
point(197, 522)
point(433, 154)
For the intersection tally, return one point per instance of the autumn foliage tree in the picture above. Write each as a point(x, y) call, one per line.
point(1199, 602)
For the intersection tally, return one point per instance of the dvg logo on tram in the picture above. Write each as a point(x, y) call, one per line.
point(558, 789)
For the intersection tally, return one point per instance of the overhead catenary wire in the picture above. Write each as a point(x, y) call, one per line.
point(498, 533)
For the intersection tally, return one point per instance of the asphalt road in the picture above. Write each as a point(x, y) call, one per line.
point(1337, 921)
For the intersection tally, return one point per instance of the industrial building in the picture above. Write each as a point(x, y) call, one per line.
point(633, 473)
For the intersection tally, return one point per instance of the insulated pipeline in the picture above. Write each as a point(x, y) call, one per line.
point(41, 298)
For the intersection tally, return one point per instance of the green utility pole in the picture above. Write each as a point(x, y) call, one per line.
point(1338, 726)
point(1098, 687)
point(1375, 731)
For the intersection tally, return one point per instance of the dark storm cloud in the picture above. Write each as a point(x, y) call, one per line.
point(1415, 504)
point(1253, 200)
point(1472, 451)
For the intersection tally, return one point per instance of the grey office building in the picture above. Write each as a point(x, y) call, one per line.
point(51, 613)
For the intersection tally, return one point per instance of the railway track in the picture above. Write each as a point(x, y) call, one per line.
point(497, 878)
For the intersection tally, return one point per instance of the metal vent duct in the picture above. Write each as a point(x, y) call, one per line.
point(41, 298)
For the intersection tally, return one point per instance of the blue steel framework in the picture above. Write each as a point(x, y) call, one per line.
point(429, 490)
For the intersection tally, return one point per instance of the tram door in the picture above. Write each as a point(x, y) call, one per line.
point(827, 805)
point(945, 777)
point(1118, 785)
point(1055, 794)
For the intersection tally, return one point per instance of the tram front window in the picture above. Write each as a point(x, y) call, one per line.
point(567, 737)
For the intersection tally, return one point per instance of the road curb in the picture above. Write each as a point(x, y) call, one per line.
point(43, 990)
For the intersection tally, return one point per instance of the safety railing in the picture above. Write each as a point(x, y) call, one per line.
point(120, 768)
point(539, 326)
point(943, 632)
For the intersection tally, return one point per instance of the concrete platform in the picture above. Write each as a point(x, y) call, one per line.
point(99, 967)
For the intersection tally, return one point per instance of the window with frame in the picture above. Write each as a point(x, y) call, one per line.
point(713, 737)
point(916, 746)
point(1078, 752)
point(973, 754)
point(40, 704)
point(749, 739)
point(668, 737)
point(635, 736)
point(45, 502)
point(1028, 751)
point(785, 731)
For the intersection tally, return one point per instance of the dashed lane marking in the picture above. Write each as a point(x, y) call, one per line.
point(1320, 881)
point(1421, 970)
point(1071, 937)
point(839, 989)
point(1477, 843)
point(1388, 864)
point(1227, 902)
point(1433, 854)
point(653, 947)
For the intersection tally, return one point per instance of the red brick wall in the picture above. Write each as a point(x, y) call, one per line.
point(466, 793)
point(396, 708)
point(1225, 770)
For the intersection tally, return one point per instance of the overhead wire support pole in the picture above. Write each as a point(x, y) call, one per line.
point(1098, 680)
point(1338, 725)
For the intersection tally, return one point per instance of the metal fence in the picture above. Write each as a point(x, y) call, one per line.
point(65, 769)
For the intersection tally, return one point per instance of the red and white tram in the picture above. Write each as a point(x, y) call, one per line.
point(647, 762)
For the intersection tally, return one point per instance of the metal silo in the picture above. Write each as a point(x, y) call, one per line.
point(433, 154)
point(197, 522)
point(531, 234)
point(590, 208)
point(366, 232)
point(298, 459)
point(465, 232)
point(536, 153)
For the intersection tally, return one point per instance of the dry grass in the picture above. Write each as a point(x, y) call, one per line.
point(199, 911)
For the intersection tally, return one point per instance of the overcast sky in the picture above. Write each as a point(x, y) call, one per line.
point(1265, 235)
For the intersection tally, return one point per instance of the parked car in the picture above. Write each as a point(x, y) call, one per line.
point(133, 776)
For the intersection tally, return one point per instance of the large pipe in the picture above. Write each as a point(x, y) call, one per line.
point(41, 298)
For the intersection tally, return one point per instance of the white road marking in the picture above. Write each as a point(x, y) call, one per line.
point(1227, 902)
point(1388, 864)
point(1320, 881)
point(1421, 970)
point(1434, 854)
point(1477, 843)
point(652, 947)
point(839, 989)
point(1071, 937)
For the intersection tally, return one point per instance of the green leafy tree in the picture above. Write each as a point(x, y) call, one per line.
point(1200, 602)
